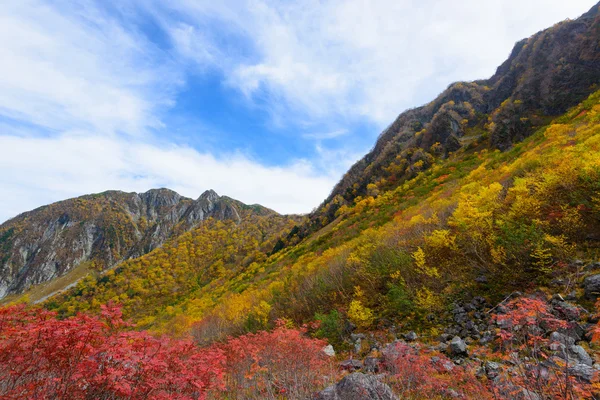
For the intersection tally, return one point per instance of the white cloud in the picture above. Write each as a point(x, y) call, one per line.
point(44, 170)
point(368, 59)
point(72, 67)
point(326, 135)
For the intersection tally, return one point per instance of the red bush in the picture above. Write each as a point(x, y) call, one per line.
point(526, 347)
point(282, 363)
point(86, 357)
point(418, 374)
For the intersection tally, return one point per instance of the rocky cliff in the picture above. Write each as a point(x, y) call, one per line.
point(102, 229)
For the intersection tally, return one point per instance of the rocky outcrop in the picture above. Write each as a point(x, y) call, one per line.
point(358, 386)
point(103, 229)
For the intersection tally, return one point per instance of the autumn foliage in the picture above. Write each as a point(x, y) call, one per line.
point(525, 345)
point(87, 357)
point(98, 357)
point(269, 365)
point(418, 374)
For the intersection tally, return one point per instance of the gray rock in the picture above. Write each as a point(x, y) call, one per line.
point(566, 311)
point(457, 347)
point(411, 336)
point(328, 350)
point(571, 296)
point(582, 372)
point(591, 285)
point(351, 365)
point(444, 337)
point(578, 353)
point(372, 364)
point(357, 386)
point(562, 338)
point(492, 369)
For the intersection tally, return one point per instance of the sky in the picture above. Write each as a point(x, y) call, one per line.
point(264, 101)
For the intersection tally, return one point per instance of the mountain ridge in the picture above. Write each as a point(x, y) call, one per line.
point(104, 229)
point(542, 78)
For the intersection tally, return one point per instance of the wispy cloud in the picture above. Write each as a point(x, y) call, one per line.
point(366, 59)
point(326, 135)
point(72, 67)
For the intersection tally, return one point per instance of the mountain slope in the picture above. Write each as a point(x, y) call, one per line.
point(478, 222)
point(100, 231)
point(544, 75)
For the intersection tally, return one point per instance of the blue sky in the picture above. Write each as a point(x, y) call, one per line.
point(265, 101)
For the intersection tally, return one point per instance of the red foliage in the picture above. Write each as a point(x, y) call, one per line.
point(419, 374)
point(283, 362)
point(525, 346)
point(86, 357)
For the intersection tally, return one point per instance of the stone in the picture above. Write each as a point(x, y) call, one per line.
point(492, 369)
point(571, 296)
point(578, 353)
point(582, 372)
point(592, 266)
point(591, 285)
point(351, 365)
point(372, 364)
point(442, 347)
point(566, 311)
point(561, 338)
point(328, 350)
point(411, 336)
point(444, 337)
point(358, 386)
point(457, 347)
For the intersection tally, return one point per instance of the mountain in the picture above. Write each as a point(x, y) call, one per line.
point(99, 231)
point(543, 77)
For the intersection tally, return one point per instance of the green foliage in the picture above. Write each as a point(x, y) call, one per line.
point(331, 327)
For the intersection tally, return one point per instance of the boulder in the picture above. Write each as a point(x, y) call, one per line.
point(457, 347)
point(566, 311)
point(357, 386)
point(562, 338)
point(591, 285)
point(578, 353)
point(411, 336)
point(328, 350)
point(582, 372)
point(492, 369)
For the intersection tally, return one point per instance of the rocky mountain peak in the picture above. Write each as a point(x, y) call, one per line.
point(209, 195)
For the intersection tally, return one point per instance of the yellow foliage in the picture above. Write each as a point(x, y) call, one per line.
point(360, 315)
point(427, 300)
point(421, 264)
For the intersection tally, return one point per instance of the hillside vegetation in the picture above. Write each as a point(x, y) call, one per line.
point(479, 222)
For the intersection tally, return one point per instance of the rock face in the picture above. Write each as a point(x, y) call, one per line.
point(104, 229)
point(358, 386)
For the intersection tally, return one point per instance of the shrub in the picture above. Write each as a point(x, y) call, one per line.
point(271, 365)
point(86, 357)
